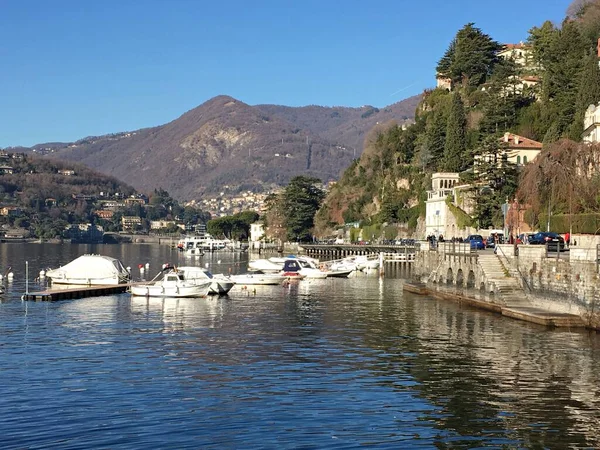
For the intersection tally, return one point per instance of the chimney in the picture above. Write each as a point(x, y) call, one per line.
point(516, 140)
point(506, 136)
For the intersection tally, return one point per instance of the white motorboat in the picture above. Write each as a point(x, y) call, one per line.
point(205, 242)
point(304, 267)
point(90, 270)
point(346, 264)
point(172, 284)
point(250, 279)
point(220, 284)
point(265, 266)
point(339, 273)
point(367, 263)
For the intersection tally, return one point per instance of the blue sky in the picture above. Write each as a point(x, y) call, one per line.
point(71, 69)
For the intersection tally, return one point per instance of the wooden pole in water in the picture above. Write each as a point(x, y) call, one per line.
point(26, 277)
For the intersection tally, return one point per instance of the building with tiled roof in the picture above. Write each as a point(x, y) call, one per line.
point(521, 150)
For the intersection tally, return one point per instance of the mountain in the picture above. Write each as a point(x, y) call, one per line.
point(225, 143)
point(343, 125)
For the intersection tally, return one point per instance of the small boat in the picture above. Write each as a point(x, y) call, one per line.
point(220, 284)
point(90, 270)
point(265, 266)
point(367, 263)
point(204, 242)
point(339, 273)
point(250, 279)
point(172, 284)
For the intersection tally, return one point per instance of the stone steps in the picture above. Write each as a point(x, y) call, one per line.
point(511, 293)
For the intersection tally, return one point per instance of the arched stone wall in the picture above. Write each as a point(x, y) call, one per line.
point(459, 278)
point(471, 279)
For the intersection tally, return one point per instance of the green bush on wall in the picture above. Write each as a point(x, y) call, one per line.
point(578, 223)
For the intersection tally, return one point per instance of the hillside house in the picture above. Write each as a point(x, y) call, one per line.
point(105, 214)
point(591, 124)
point(6, 170)
point(158, 224)
point(131, 223)
point(519, 150)
point(10, 211)
point(66, 172)
point(130, 201)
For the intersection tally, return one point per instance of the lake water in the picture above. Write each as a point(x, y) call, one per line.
point(338, 363)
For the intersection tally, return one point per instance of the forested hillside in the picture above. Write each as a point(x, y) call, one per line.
point(539, 89)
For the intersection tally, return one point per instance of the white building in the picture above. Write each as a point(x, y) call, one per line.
point(591, 124)
point(519, 150)
point(257, 231)
point(436, 209)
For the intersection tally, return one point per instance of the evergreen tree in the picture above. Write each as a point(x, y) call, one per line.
point(470, 58)
point(494, 180)
point(588, 93)
point(301, 200)
point(436, 139)
point(455, 158)
point(563, 65)
point(445, 63)
point(542, 41)
point(505, 97)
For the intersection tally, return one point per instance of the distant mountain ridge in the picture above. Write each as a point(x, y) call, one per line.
point(225, 142)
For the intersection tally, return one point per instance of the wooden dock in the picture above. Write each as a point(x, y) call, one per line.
point(74, 292)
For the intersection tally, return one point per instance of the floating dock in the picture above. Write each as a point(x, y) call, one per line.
point(73, 292)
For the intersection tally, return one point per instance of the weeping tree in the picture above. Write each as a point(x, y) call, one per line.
point(563, 179)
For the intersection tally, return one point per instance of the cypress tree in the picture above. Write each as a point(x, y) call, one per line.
point(588, 93)
point(455, 145)
point(436, 138)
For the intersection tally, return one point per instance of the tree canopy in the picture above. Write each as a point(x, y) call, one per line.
point(301, 199)
point(470, 57)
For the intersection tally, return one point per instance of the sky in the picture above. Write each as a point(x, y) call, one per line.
point(72, 68)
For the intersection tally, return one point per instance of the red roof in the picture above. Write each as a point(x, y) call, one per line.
point(520, 45)
point(514, 141)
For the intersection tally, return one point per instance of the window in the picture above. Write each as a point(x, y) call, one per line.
point(518, 160)
point(524, 159)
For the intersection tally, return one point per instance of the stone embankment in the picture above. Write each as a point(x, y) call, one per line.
point(524, 282)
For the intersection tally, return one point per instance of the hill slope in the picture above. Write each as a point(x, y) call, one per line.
point(225, 142)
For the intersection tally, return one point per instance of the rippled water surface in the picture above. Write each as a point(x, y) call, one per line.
point(341, 363)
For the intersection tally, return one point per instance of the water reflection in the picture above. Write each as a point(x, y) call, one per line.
point(325, 363)
point(179, 314)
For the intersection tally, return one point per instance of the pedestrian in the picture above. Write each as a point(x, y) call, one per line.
point(567, 238)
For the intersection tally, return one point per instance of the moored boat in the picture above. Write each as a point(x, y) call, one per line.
point(172, 284)
point(265, 266)
point(90, 270)
point(249, 279)
point(220, 284)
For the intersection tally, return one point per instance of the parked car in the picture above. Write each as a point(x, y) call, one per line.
point(476, 241)
point(523, 238)
point(490, 242)
point(554, 240)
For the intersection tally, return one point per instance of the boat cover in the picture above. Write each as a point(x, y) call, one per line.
point(92, 267)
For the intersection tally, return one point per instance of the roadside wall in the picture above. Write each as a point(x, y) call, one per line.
point(567, 284)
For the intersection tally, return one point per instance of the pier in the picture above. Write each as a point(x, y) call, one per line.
point(398, 254)
point(74, 292)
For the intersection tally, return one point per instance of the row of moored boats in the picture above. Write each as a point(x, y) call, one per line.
point(189, 281)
